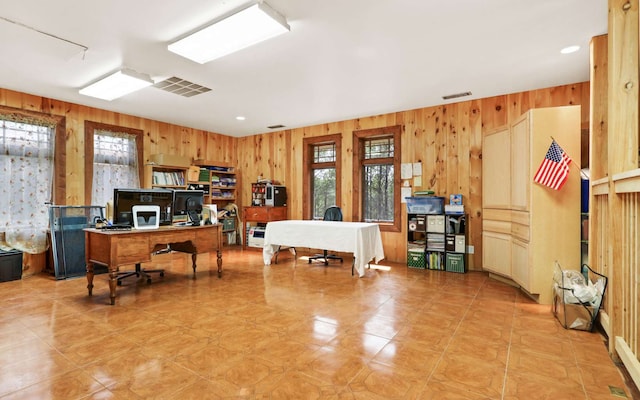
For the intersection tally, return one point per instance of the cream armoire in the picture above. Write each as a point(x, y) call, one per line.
point(527, 227)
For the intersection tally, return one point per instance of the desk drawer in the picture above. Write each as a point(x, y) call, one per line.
point(259, 214)
point(277, 213)
point(177, 236)
point(207, 240)
point(130, 249)
point(265, 214)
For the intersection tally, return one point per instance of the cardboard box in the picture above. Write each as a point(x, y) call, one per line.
point(170, 160)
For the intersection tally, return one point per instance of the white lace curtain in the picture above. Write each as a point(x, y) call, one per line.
point(115, 164)
point(26, 165)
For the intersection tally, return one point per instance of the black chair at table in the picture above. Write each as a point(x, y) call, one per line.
point(138, 272)
point(144, 272)
point(333, 213)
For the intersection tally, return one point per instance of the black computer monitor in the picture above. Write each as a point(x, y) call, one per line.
point(187, 205)
point(125, 199)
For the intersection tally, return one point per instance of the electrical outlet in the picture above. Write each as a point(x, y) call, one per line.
point(470, 250)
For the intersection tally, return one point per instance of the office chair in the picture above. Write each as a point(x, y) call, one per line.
point(333, 213)
point(143, 272)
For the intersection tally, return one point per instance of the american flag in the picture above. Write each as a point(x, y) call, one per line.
point(554, 170)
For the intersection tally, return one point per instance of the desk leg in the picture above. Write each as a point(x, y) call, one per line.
point(194, 256)
point(113, 281)
point(90, 278)
point(219, 264)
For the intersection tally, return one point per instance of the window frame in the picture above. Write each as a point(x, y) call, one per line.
point(359, 138)
point(90, 128)
point(307, 160)
point(58, 189)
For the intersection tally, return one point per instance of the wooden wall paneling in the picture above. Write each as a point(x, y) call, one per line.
point(494, 112)
point(429, 121)
point(74, 146)
point(518, 104)
point(151, 135)
point(291, 161)
point(473, 201)
point(447, 139)
point(440, 141)
point(197, 144)
point(623, 141)
point(346, 193)
point(13, 99)
point(31, 102)
point(454, 154)
point(597, 255)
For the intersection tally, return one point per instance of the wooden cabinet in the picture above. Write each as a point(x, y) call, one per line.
point(520, 163)
point(262, 215)
point(540, 225)
point(496, 191)
point(496, 253)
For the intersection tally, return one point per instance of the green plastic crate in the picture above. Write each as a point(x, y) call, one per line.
point(228, 224)
point(455, 263)
point(415, 259)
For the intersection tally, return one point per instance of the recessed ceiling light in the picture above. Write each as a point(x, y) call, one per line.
point(240, 118)
point(570, 49)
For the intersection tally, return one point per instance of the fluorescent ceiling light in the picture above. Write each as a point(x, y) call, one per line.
point(249, 26)
point(570, 49)
point(117, 85)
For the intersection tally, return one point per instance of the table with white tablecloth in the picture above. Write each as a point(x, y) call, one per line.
point(360, 238)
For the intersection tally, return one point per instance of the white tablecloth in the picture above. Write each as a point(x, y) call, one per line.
point(360, 238)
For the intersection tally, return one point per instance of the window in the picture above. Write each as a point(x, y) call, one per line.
point(322, 174)
point(376, 178)
point(26, 181)
point(112, 155)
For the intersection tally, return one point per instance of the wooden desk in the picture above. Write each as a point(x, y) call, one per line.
point(260, 214)
point(116, 248)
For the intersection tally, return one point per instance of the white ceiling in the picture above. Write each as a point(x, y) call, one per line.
point(343, 59)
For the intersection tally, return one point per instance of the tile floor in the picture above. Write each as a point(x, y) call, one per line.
point(292, 331)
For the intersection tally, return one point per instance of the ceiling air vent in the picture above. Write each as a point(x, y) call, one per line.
point(182, 87)
point(456, 95)
point(280, 126)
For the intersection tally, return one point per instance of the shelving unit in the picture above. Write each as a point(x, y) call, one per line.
point(220, 180)
point(456, 243)
point(434, 251)
point(220, 183)
point(165, 176)
point(258, 193)
point(416, 241)
point(435, 240)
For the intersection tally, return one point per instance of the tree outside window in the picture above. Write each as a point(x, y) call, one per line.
point(322, 175)
point(376, 177)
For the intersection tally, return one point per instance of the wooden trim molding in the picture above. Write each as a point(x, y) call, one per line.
point(89, 128)
point(59, 123)
point(627, 182)
point(396, 131)
point(307, 160)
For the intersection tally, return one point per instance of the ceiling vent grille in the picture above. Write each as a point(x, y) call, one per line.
point(456, 95)
point(279, 126)
point(181, 87)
